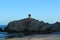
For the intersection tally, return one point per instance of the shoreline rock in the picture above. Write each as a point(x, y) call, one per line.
point(30, 26)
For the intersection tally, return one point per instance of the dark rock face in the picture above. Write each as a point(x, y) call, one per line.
point(24, 25)
point(30, 26)
point(46, 28)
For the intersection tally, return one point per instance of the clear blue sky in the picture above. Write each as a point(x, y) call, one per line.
point(45, 10)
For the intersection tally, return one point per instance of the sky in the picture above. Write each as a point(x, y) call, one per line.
point(42, 10)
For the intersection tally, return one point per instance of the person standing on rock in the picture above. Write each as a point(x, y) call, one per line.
point(29, 16)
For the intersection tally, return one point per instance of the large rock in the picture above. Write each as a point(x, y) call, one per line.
point(32, 26)
point(24, 25)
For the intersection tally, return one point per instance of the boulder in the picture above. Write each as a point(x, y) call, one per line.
point(24, 25)
point(31, 25)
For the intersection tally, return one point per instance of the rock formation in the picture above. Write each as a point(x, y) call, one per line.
point(24, 25)
point(31, 25)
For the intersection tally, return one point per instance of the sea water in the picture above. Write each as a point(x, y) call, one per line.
point(3, 35)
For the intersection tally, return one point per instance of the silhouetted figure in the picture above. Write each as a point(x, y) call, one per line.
point(29, 16)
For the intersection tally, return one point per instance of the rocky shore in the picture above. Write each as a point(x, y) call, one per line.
point(32, 25)
point(28, 26)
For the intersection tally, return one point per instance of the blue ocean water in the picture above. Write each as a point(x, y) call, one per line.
point(3, 34)
point(3, 26)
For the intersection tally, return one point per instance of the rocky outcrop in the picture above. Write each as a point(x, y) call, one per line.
point(24, 25)
point(32, 26)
